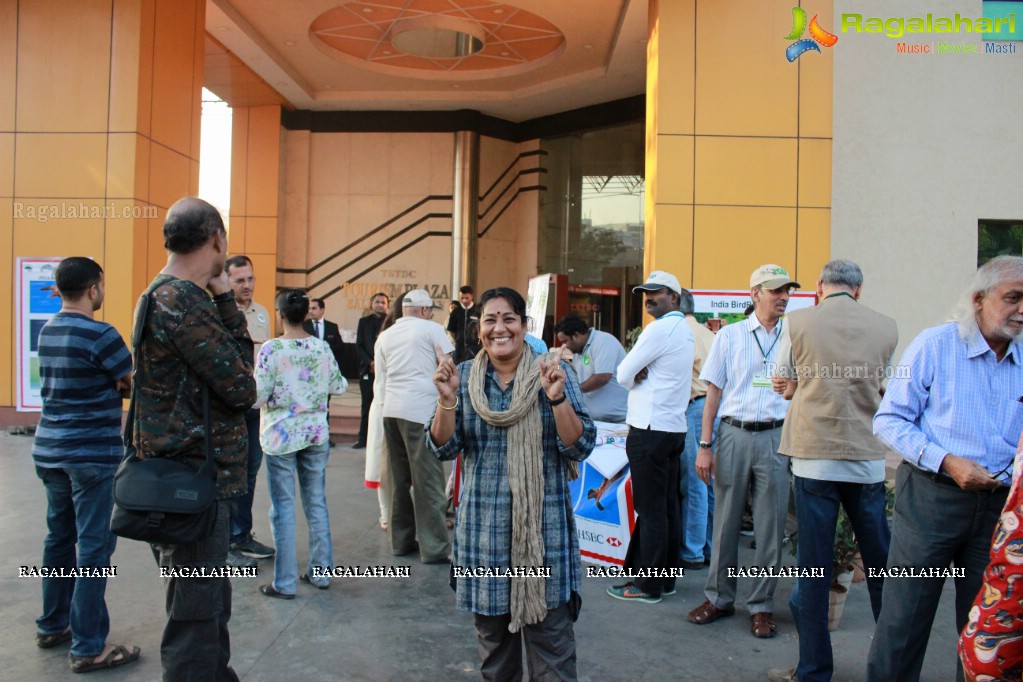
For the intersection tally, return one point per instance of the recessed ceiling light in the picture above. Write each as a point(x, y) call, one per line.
point(505, 53)
point(387, 52)
point(289, 42)
point(328, 86)
point(367, 10)
point(456, 86)
point(587, 46)
point(499, 10)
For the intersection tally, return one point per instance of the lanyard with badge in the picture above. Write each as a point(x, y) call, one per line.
point(761, 380)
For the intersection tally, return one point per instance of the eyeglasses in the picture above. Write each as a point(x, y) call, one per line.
point(1007, 472)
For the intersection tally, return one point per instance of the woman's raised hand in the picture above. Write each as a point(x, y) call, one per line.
point(552, 375)
point(446, 376)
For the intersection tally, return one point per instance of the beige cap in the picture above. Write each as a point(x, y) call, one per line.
point(658, 279)
point(418, 298)
point(771, 276)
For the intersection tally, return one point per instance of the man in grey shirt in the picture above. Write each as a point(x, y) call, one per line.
point(596, 356)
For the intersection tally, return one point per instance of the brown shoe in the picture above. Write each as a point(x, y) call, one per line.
point(763, 625)
point(708, 613)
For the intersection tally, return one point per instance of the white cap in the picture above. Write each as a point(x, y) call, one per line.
point(418, 298)
point(658, 279)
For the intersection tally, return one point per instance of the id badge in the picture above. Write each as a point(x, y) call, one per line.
point(761, 380)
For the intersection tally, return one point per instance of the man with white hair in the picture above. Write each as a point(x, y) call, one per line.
point(405, 360)
point(956, 416)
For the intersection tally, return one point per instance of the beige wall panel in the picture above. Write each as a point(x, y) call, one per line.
point(813, 245)
point(125, 55)
point(264, 267)
point(409, 161)
point(62, 165)
point(7, 396)
point(143, 152)
point(293, 231)
point(261, 235)
point(263, 161)
point(815, 173)
point(296, 146)
point(168, 176)
point(745, 86)
point(328, 225)
point(117, 276)
point(675, 169)
point(442, 164)
point(239, 159)
point(236, 236)
point(6, 164)
point(330, 161)
point(60, 237)
point(671, 249)
point(147, 39)
point(670, 70)
point(173, 66)
point(364, 214)
point(732, 241)
point(816, 77)
point(121, 165)
point(369, 172)
point(58, 85)
point(747, 171)
point(8, 74)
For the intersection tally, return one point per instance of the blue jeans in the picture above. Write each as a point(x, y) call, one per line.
point(311, 466)
point(697, 497)
point(241, 506)
point(817, 512)
point(79, 503)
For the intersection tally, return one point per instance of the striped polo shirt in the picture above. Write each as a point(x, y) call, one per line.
point(79, 362)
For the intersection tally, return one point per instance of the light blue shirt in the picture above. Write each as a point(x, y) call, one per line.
point(951, 395)
point(742, 352)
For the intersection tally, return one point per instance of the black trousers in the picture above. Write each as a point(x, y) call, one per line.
point(366, 389)
point(654, 464)
point(550, 648)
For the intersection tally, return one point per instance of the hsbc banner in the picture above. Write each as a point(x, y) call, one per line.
point(602, 499)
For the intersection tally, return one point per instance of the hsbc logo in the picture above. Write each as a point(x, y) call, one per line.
point(614, 542)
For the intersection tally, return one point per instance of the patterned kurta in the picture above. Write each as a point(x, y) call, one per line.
point(293, 379)
point(483, 527)
point(991, 646)
point(191, 339)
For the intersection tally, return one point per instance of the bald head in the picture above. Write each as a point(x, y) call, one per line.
point(190, 223)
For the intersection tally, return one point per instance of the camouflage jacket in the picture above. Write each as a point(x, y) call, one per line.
point(190, 339)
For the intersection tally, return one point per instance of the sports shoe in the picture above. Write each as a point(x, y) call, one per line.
point(781, 675)
point(630, 592)
point(253, 548)
point(237, 560)
point(359, 445)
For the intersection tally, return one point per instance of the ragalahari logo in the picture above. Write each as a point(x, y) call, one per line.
point(819, 35)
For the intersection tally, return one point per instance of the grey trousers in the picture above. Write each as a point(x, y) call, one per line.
point(935, 525)
point(550, 647)
point(744, 459)
point(418, 502)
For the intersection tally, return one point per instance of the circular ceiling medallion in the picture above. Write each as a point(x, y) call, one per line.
point(437, 39)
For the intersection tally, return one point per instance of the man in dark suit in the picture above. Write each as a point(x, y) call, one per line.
point(464, 326)
point(325, 330)
point(365, 340)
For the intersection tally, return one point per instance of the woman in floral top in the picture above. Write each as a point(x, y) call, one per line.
point(294, 374)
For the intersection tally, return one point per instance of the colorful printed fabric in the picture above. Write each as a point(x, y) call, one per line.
point(293, 378)
point(991, 646)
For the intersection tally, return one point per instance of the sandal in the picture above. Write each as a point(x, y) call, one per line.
point(708, 613)
point(50, 641)
point(118, 656)
point(270, 591)
point(763, 625)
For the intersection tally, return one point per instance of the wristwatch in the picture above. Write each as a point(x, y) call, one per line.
point(704, 445)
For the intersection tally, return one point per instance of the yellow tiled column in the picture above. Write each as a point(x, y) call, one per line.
point(738, 168)
point(255, 172)
point(99, 133)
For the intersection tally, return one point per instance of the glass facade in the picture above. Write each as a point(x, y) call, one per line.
point(591, 222)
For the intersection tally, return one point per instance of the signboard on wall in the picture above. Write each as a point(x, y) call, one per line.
point(731, 304)
point(34, 306)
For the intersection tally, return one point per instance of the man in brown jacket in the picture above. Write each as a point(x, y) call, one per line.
point(831, 365)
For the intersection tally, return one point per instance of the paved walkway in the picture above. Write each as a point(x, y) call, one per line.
point(398, 629)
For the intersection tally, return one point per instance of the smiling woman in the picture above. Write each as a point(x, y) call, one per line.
point(520, 424)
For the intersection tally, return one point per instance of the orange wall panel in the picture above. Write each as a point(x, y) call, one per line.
point(746, 171)
point(732, 241)
point(173, 74)
point(6, 303)
point(8, 70)
point(6, 164)
point(80, 171)
point(813, 246)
